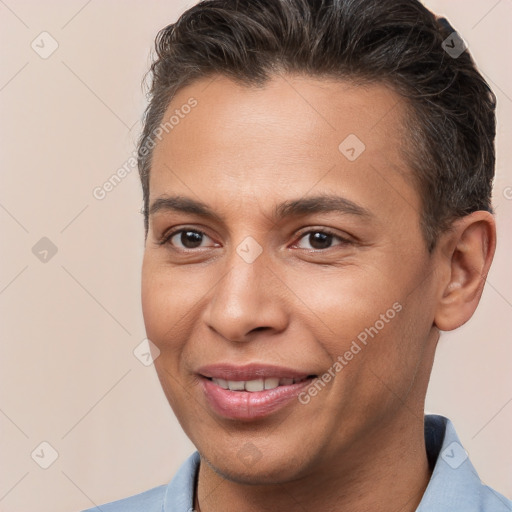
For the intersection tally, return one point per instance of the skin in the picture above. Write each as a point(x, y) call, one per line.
point(358, 445)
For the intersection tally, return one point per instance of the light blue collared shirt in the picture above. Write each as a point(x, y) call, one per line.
point(454, 485)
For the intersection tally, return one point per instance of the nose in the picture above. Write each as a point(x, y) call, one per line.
point(248, 298)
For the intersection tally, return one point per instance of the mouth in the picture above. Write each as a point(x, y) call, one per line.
point(253, 391)
point(255, 385)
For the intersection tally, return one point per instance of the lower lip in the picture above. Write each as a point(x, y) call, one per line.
point(246, 405)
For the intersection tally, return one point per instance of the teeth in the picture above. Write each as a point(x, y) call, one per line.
point(222, 383)
point(271, 383)
point(235, 385)
point(254, 385)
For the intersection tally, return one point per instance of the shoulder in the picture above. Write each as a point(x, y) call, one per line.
point(149, 501)
point(178, 494)
point(455, 485)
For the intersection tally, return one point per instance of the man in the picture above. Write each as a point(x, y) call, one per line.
point(317, 197)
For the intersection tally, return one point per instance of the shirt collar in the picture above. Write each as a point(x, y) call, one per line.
point(179, 495)
point(454, 485)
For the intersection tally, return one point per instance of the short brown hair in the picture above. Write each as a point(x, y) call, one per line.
point(450, 147)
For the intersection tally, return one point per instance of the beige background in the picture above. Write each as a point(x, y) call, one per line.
point(69, 326)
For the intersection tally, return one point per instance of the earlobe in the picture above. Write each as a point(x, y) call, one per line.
point(472, 243)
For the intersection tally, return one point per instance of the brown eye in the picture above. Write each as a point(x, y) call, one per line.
point(319, 240)
point(186, 239)
point(190, 239)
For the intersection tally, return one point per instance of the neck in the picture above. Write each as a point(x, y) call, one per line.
point(387, 474)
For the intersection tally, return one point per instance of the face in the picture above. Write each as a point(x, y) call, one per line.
point(284, 243)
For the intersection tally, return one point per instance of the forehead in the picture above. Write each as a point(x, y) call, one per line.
point(294, 132)
point(315, 106)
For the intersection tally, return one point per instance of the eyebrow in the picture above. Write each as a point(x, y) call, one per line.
point(325, 203)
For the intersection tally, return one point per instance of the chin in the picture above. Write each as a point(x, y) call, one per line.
point(249, 465)
point(261, 474)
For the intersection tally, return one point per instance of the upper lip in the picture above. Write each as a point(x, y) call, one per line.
point(251, 371)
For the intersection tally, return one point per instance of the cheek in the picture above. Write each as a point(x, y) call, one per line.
point(393, 351)
point(155, 307)
point(362, 318)
point(345, 301)
point(167, 302)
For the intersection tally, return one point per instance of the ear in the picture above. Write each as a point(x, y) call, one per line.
point(466, 250)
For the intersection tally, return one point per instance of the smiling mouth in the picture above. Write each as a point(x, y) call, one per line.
point(256, 385)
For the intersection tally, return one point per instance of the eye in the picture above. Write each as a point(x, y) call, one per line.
point(319, 240)
point(185, 239)
point(189, 239)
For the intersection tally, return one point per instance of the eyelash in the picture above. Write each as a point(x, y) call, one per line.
point(168, 236)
